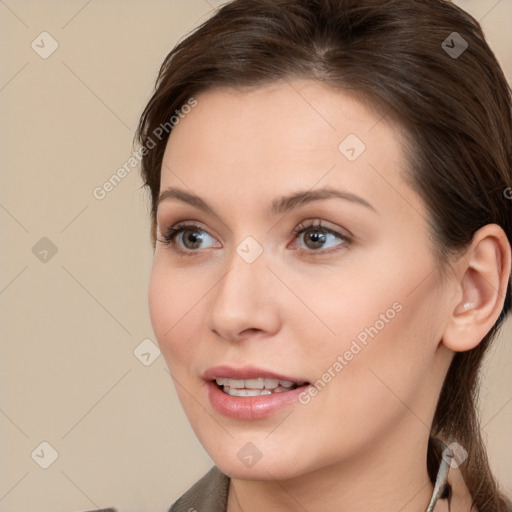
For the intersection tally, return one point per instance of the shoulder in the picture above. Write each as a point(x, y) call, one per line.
point(208, 494)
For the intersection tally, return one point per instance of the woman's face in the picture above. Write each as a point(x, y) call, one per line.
point(351, 306)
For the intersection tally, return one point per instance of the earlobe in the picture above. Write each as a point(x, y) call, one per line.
point(483, 276)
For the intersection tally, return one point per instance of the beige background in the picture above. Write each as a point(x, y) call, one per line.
point(70, 324)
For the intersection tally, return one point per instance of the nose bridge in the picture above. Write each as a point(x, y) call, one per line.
point(247, 267)
point(242, 299)
point(239, 287)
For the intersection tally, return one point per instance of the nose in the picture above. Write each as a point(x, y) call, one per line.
point(245, 302)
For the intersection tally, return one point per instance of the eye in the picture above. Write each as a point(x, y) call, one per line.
point(189, 236)
point(318, 236)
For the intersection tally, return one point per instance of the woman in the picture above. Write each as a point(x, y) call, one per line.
point(332, 259)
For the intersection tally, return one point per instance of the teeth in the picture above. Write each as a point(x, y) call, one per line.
point(247, 392)
point(236, 383)
point(271, 383)
point(254, 383)
point(255, 387)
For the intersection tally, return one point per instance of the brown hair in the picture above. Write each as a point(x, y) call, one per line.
point(456, 110)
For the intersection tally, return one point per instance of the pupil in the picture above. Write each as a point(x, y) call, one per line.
point(193, 239)
point(317, 237)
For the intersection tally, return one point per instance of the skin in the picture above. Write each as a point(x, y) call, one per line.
point(360, 444)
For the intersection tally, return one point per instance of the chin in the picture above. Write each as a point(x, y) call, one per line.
point(259, 459)
point(261, 470)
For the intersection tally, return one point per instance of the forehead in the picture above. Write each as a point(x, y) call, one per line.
point(253, 144)
point(283, 114)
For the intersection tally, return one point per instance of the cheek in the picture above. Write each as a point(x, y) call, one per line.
point(161, 303)
point(174, 311)
point(384, 321)
point(360, 306)
point(388, 352)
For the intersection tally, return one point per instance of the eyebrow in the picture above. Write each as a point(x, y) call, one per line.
point(278, 206)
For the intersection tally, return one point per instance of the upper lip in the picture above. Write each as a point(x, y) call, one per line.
point(246, 372)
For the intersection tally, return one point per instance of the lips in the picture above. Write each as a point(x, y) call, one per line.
point(250, 392)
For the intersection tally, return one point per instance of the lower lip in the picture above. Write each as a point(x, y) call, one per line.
point(250, 407)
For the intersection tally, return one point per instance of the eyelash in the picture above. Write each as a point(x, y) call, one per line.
point(174, 231)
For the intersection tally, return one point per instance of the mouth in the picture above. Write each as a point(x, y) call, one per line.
point(251, 393)
point(258, 386)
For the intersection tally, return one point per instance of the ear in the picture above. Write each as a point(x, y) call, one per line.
point(483, 274)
